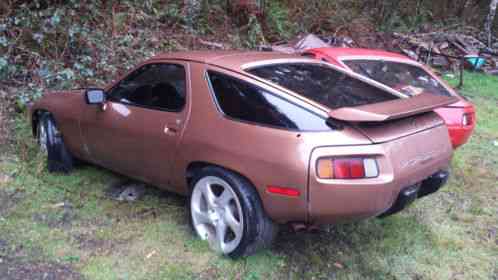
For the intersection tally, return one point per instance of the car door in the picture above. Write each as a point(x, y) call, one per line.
point(138, 131)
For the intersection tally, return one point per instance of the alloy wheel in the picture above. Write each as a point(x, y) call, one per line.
point(217, 214)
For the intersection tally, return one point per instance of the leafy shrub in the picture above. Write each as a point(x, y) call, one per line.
point(55, 44)
point(47, 45)
point(278, 21)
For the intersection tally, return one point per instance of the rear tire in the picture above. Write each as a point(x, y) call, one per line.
point(218, 196)
point(59, 159)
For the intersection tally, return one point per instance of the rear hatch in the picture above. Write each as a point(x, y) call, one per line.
point(411, 143)
point(379, 112)
point(386, 121)
point(391, 130)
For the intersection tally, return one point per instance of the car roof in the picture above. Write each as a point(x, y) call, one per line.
point(344, 52)
point(241, 61)
point(232, 60)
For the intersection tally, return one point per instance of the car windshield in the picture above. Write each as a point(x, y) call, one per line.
point(322, 84)
point(406, 78)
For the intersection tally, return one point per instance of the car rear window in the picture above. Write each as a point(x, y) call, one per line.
point(247, 102)
point(322, 84)
point(406, 78)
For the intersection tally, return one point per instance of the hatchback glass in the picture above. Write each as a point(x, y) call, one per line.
point(406, 78)
point(322, 84)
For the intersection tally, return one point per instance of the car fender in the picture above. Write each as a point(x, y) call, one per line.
point(66, 108)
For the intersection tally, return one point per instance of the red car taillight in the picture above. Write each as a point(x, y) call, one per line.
point(468, 119)
point(347, 168)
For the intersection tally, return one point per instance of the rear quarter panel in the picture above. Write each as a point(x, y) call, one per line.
point(265, 156)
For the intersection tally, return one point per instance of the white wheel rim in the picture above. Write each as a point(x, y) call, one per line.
point(217, 214)
point(42, 138)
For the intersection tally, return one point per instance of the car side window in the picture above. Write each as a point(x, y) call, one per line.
point(155, 86)
point(244, 101)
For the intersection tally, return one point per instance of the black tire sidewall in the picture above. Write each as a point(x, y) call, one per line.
point(44, 122)
point(50, 131)
point(47, 122)
point(59, 159)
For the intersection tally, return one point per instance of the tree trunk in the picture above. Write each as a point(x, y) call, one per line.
point(489, 20)
point(193, 10)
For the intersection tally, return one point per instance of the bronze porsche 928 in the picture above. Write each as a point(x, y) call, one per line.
point(255, 139)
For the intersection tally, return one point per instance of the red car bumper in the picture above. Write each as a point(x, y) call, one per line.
point(460, 121)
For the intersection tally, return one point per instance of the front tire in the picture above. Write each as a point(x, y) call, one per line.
point(226, 210)
point(51, 143)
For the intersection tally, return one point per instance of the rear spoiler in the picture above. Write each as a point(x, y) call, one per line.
point(391, 110)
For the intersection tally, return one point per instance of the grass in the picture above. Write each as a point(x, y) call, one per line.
point(449, 235)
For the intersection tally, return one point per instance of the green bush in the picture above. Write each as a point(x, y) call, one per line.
point(278, 21)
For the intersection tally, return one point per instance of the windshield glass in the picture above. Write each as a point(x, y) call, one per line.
point(322, 84)
point(408, 79)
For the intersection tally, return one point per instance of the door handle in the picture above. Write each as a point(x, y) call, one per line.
point(170, 130)
point(103, 107)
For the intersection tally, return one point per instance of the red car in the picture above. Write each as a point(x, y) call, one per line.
point(406, 76)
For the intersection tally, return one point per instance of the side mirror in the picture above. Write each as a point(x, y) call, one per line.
point(95, 96)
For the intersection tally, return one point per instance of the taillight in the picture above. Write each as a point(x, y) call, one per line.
point(468, 119)
point(347, 168)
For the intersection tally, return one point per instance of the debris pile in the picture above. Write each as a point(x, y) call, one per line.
point(450, 50)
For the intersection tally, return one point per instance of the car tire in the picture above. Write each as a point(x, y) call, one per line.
point(51, 142)
point(217, 197)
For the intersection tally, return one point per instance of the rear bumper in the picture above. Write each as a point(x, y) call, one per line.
point(433, 183)
point(411, 193)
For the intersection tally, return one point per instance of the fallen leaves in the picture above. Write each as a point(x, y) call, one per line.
point(151, 254)
point(339, 265)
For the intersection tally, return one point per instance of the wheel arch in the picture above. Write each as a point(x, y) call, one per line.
point(35, 119)
point(195, 166)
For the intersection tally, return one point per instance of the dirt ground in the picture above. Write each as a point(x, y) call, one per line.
point(17, 263)
point(13, 269)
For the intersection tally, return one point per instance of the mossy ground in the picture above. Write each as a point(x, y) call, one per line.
point(449, 235)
